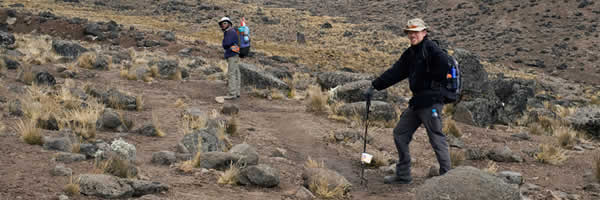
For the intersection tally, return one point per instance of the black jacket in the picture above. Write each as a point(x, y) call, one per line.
point(413, 65)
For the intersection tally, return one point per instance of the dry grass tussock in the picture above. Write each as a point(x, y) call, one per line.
point(450, 128)
point(87, 60)
point(72, 188)
point(180, 103)
point(491, 168)
point(82, 120)
point(3, 68)
point(595, 100)
point(156, 124)
point(230, 176)
point(322, 189)
point(25, 74)
point(30, 133)
point(37, 49)
point(310, 163)
point(189, 165)
point(291, 82)
point(139, 102)
point(317, 100)
point(232, 126)
point(191, 123)
point(457, 158)
point(117, 166)
point(551, 154)
point(276, 94)
point(379, 159)
point(566, 136)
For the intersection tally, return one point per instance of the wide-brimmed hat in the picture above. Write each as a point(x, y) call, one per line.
point(415, 24)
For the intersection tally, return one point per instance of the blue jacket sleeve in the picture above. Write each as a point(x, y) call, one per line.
point(395, 74)
point(230, 39)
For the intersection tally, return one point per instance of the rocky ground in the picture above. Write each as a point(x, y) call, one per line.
point(121, 96)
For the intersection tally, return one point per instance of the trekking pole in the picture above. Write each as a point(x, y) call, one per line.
point(363, 164)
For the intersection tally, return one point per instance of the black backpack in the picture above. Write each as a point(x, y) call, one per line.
point(450, 88)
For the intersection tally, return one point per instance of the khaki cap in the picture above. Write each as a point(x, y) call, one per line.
point(415, 24)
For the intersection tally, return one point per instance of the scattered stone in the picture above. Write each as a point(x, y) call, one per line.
point(58, 144)
point(511, 177)
point(6, 39)
point(279, 152)
point(253, 76)
point(111, 187)
point(218, 160)
point(63, 197)
point(504, 154)
point(61, 170)
point(230, 109)
point(586, 119)
point(148, 130)
point(64, 157)
point(163, 158)
point(109, 120)
point(259, 175)
point(168, 35)
point(208, 137)
point(304, 194)
point(379, 110)
point(44, 78)
point(592, 187)
point(329, 80)
point(67, 49)
point(466, 183)
point(247, 153)
point(326, 25)
point(118, 100)
point(521, 136)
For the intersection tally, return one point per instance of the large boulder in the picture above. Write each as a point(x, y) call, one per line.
point(109, 120)
point(6, 39)
point(473, 74)
point(111, 187)
point(67, 49)
point(259, 175)
point(329, 80)
point(354, 92)
point(163, 158)
point(467, 183)
point(247, 153)
point(44, 78)
point(321, 175)
point(379, 110)
point(477, 112)
point(514, 95)
point(207, 137)
point(586, 119)
point(252, 75)
point(170, 69)
point(218, 160)
point(504, 154)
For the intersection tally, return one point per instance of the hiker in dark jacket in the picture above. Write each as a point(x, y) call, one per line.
point(425, 65)
point(230, 44)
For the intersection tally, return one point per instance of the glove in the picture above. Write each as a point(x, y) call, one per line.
point(369, 93)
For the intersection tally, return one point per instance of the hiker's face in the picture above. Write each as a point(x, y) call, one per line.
point(224, 25)
point(416, 37)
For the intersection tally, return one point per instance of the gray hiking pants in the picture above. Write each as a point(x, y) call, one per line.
point(233, 76)
point(403, 133)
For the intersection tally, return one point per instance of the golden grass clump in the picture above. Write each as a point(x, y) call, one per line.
point(457, 158)
point(191, 123)
point(551, 154)
point(379, 159)
point(322, 189)
point(156, 124)
point(25, 74)
point(67, 99)
point(72, 188)
point(232, 126)
point(595, 100)
point(180, 103)
point(3, 68)
point(30, 133)
point(230, 176)
point(317, 100)
point(450, 128)
point(291, 82)
point(139, 102)
point(119, 167)
point(491, 168)
point(536, 129)
point(310, 163)
point(82, 120)
point(276, 94)
point(87, 60)
point(449, 110)
point(566, 136)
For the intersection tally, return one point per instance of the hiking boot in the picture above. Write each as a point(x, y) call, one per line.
point(397, 179)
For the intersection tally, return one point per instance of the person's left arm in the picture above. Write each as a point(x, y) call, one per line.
point(439, 64)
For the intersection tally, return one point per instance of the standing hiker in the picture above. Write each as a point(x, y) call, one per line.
point(425, 65)
point(230, 44)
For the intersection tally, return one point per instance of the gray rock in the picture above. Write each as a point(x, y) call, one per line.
point(61, 170)
point(247, 153)
point(466, 183)
point(586, 119)
point(478, 112)
point(44, 78)
point(350, 135)
point(116, 99)
point(354, 92)
point(67, 49)
point(378, 111)
point(230, 109)
point(592, 187)
point(168, 69)
point(58, 143)
point(208, 137)
point(472, 71)
point(504, 154)
point(109, 120)
point(90, 149)
point(142, 187)
point(476, 154)
point(168, 35)
point(202, 62)
point(141, 72)
point(511, 177)
point(104, 186)
point(329, 80)
point(279, 152)
point(148, 130)
point(521, 136)
point(455, 142)
point(63, 197)
point(101, 63)
point(164, 158)
point(253, 76)
point(209, 70)
point(514, 95)
point(64, 157)
point(332, 178)
point(6, 39)
point(259, 175)
point(218, 160)
point(11, 64)
point(304, 194)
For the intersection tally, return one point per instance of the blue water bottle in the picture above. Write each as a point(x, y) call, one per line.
point(454, 78)
point(434, 113)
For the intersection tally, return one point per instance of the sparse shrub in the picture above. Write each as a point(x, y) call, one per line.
point(25, 74)
point(177, 75)
point(317, 100)
point(76, 147)
point(87, 60)
point(82, 120)
point(450, 128)
point(139, 103)
point(457, 158)
point(191, 123)
point(310, 163)
point(230, 176)
point(154, 71)
point(72, 188)
point(221, 134)
point(180, 103)
point(547, 124)
point(156, 124)
point(292, 85)
point(67, 99)
point(276, 94)
point(30, 133)
point(566, 136)
point(321, 188)
point(536, 129)
point(551, 154)
point(563, 112)
point(595, 100)
point(119, 167)
point(124, 73)
point(232, 126)
point(491, 168)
